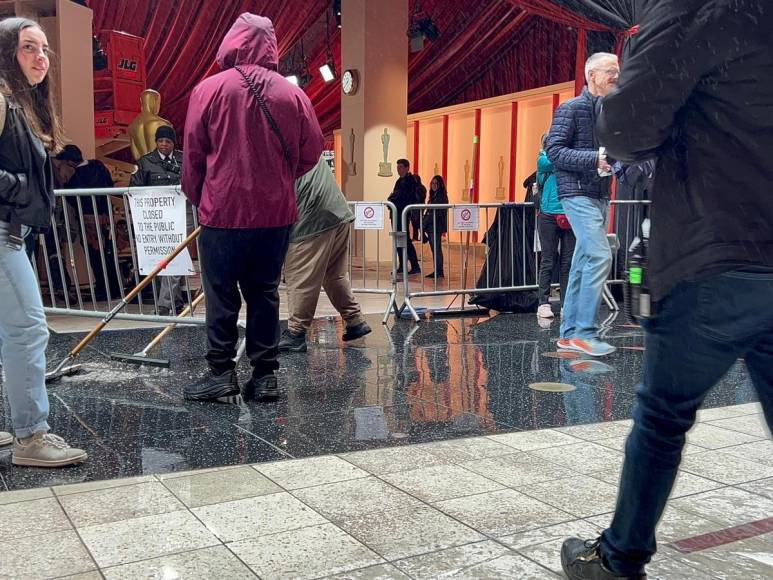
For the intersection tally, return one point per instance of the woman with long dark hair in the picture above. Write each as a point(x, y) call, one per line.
point(31, 131)
point(554, 232)
point(436, 223)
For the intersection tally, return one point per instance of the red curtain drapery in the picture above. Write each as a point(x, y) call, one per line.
point(557, 13)
point(182, 36)
point(486, 48)
point(579, 66)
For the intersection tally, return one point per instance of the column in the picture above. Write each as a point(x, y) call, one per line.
point(374, 45)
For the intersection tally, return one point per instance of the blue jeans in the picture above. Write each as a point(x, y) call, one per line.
point(23, 338)
point(590, 266)
point(698, 332)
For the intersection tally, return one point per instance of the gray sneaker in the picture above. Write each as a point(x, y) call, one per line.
point(5, 438)
point(46, 450)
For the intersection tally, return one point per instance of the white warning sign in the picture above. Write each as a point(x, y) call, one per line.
point(368, 216)
point(158, 217)
point(466, 218)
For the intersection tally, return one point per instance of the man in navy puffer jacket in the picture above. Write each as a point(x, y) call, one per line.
point(584, 180)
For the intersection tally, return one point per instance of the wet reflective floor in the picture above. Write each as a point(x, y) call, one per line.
point(403, 384)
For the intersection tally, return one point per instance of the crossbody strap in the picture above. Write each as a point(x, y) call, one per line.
point(3, 112)
point(263, 107)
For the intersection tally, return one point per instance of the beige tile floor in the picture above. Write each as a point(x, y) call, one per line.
point(487, 507)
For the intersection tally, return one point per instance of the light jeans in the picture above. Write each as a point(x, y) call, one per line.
point(590, 266)
point(23, 337)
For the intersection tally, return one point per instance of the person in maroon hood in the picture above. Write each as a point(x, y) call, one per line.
point(249, 135)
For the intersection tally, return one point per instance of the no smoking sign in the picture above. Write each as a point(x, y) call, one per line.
point(466, 218)
point(368, 216)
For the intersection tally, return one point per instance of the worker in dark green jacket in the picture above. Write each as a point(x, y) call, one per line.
point(317, 258)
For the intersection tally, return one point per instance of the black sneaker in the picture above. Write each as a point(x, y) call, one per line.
point(356, 331)
point(292, 341)
point(216, 388)
point(582, 560)
point(261, 389)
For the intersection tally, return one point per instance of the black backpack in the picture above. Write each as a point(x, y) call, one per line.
point(420, 192)
point(537, 192)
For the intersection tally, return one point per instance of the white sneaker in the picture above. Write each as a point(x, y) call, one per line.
point(46, 450)
point(545, 311)
point(5, 438)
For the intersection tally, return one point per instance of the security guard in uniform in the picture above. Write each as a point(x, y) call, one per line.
point(163, 167)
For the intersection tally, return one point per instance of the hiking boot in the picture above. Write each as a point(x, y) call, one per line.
point(292, 341)
point(45, 450)
point(582, 560)
point(545, 311)
point(215, 387)
point(589, 346)
point(356, 331)
point(261, 389)
point(5, 438)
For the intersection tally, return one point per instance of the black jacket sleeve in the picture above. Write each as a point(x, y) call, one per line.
point(105, 175)
point(11, 184)
point(678, 43)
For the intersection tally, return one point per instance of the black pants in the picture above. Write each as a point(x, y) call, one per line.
point(99, 273)
point(435, 239)
point(550, 237)
point(413, 258)
point(250, 260)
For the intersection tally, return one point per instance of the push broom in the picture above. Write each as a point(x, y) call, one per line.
point(66, 367)
point(142, 358)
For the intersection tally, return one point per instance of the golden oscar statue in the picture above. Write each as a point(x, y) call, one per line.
point(142, 130)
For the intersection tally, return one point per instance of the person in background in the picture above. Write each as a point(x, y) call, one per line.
point(249, 135)
point(31, 131)
point(435, 224)
point(92, 174)
point(695, 94)
point(554, 232)
point(420, 196)
point(162, 167)
point(403, 195)
point(317, 258)
point(584, 177)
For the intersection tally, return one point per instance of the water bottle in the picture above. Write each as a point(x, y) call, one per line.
point(635, 278)
point(638, 294)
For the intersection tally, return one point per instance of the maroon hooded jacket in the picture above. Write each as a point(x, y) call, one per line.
point(234, 169)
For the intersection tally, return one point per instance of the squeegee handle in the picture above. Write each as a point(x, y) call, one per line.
point(133, 294)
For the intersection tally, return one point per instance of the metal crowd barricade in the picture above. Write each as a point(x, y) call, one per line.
point(367, 274)
point(627, 219)
point(87, 262)
point(466, 253)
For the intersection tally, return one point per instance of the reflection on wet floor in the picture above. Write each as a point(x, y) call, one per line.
point(406, 383)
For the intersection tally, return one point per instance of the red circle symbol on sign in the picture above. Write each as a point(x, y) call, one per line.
point(466, 214)
point(369, 212)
